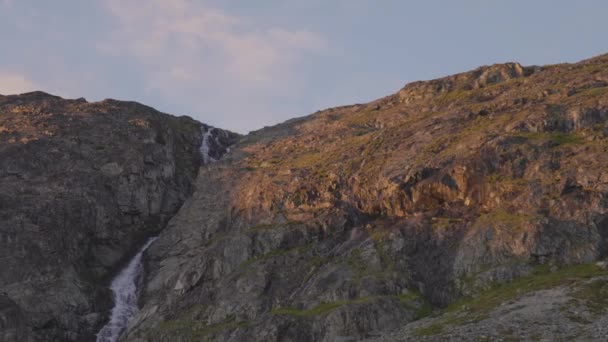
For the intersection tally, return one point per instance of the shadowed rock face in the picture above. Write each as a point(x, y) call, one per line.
point(82, 184)
point(362, 218)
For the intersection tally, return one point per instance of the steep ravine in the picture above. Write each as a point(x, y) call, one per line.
point(82, 186)
point(125, 290)
point(125, 286)
point(360, 220)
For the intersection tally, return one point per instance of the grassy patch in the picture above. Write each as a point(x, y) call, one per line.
point(504, 217)
point(439, 224)
point(379, 235)
point(566, 139)
point(307, 160)
point(276, 253)
point(269, 255)
point(431, 330)
point(423, 310)
point(356, 263)
point(541, 278)
point(595, 296)
point(215, 328)
point(267, 226)
point(592, 92)
point(362, 269)
point(453, 96)
point(317, 261)
point(197, 329)
point(388, 263)
point(477, 307)
point(362, 118)
point(468, 134)
point(496, 178)
point(556, 138)
point(320, 309)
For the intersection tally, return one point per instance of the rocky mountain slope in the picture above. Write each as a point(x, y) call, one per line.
point(359, 220)
point(468, 207)
point(81, 186)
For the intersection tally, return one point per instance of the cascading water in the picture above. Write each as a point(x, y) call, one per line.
point(124, 286)
point(125, 291)
point(205, 148)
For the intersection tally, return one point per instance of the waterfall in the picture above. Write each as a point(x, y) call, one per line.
point(205, 148)
point(124, 287)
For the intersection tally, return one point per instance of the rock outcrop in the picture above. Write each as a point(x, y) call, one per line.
point(356, 220)
point(82, 185)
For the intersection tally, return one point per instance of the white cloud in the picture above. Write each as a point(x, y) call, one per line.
point(15, 83)
point(229, 70)
point(185, 41)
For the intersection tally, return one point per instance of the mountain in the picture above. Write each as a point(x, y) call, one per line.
point(82, 184)
point(471, 207)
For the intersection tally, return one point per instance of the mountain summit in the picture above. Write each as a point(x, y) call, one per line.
point(468, 207)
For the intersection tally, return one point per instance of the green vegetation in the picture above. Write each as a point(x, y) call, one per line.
point(496, 178)
point(477, 307)
point(591, 68)
point(439, 224)
point(362, 118)
point(308, 159)
point(267, 226)
point(565, 139)
point(388, 263)
point(415, 301)
point(430, 330)
point(317, 260)
point(557, 138)
point(424, 311)
point(269, 255)
point(500, 215)
point(356, 263)
point(453, 96)
point(541, 278)
point(476, 129)
point(196, 329)
point(362, 269)
point(320, 309)
point(412, 300)
point(593, 92)
point(379, 235)
point(275, 253)
point(595, 296)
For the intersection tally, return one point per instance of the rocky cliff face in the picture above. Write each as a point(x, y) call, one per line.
point(82, 184)
point(360, 219)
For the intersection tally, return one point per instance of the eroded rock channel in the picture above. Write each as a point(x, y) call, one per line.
point(82, 186)
point(215, 143)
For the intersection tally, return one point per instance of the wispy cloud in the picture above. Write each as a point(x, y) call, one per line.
point(189, 41)
point(15, 83)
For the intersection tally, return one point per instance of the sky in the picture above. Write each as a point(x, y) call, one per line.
point(242, 64)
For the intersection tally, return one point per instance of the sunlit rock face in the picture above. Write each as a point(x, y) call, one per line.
point(359, 219)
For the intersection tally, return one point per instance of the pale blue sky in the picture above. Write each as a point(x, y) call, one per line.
point(242, 64)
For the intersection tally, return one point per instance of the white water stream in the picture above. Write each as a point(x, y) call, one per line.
point(125, 307)
point(124, 286)
point(205, 148)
